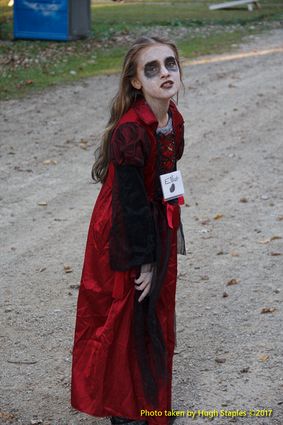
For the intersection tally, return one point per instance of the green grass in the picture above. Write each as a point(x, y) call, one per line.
point(18, 83)
point(30, 65)
point(215, 43)
point(184, 12)
point(116, 17)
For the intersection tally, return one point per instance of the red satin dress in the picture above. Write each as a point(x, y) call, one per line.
point(118, 341)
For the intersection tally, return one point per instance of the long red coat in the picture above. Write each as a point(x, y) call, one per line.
point(130, 225)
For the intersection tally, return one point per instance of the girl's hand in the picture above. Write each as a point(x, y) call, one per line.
point(143, 282)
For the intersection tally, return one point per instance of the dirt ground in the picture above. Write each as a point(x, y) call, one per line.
point(229, 352)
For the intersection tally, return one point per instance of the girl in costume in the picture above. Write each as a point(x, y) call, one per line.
point(125, 324)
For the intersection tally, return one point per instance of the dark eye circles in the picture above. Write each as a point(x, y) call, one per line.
point(151, 69)
point(171, 64)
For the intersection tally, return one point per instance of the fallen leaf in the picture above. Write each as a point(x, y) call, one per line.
point(243, 199)
point(275, 253)
point(279, 218)
point(74, 286)
point(83, 144)
point(272, 238)
point(268, 310)
point(220, 360)
point(263, 357)
point(67, 269)
point(49, 161)
point(18, 168)
point(218, 216)
point(234, 253)
point(232, 282)
point(7, 416)
point(22, 361)
point(245, 369)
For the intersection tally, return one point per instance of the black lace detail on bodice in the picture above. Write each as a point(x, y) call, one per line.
point(166, 160)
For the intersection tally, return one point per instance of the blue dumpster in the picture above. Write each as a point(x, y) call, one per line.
point(52, 19)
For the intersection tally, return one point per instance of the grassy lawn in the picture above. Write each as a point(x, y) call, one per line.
point(30, 65)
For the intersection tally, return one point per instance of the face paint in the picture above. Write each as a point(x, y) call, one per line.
point(156, 65)
point(171, 64)
point(152, 69)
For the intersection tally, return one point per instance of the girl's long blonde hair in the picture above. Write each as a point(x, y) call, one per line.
point(123, 100)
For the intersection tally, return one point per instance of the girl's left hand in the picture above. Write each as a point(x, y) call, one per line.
point(143, 282)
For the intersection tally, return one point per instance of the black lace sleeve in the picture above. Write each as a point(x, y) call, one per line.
point(132, 235)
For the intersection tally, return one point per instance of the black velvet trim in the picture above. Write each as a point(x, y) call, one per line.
point(132, 236)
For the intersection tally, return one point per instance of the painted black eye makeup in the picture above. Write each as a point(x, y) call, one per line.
point(152, 69)
point(171, 64)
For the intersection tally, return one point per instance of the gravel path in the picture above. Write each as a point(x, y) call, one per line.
point(229, 353)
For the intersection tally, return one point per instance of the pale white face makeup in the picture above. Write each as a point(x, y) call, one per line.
point(158, 74)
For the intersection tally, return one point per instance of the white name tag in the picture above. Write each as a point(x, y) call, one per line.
point(172, 185)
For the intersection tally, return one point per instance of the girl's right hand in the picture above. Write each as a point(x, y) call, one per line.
point(143, 282)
